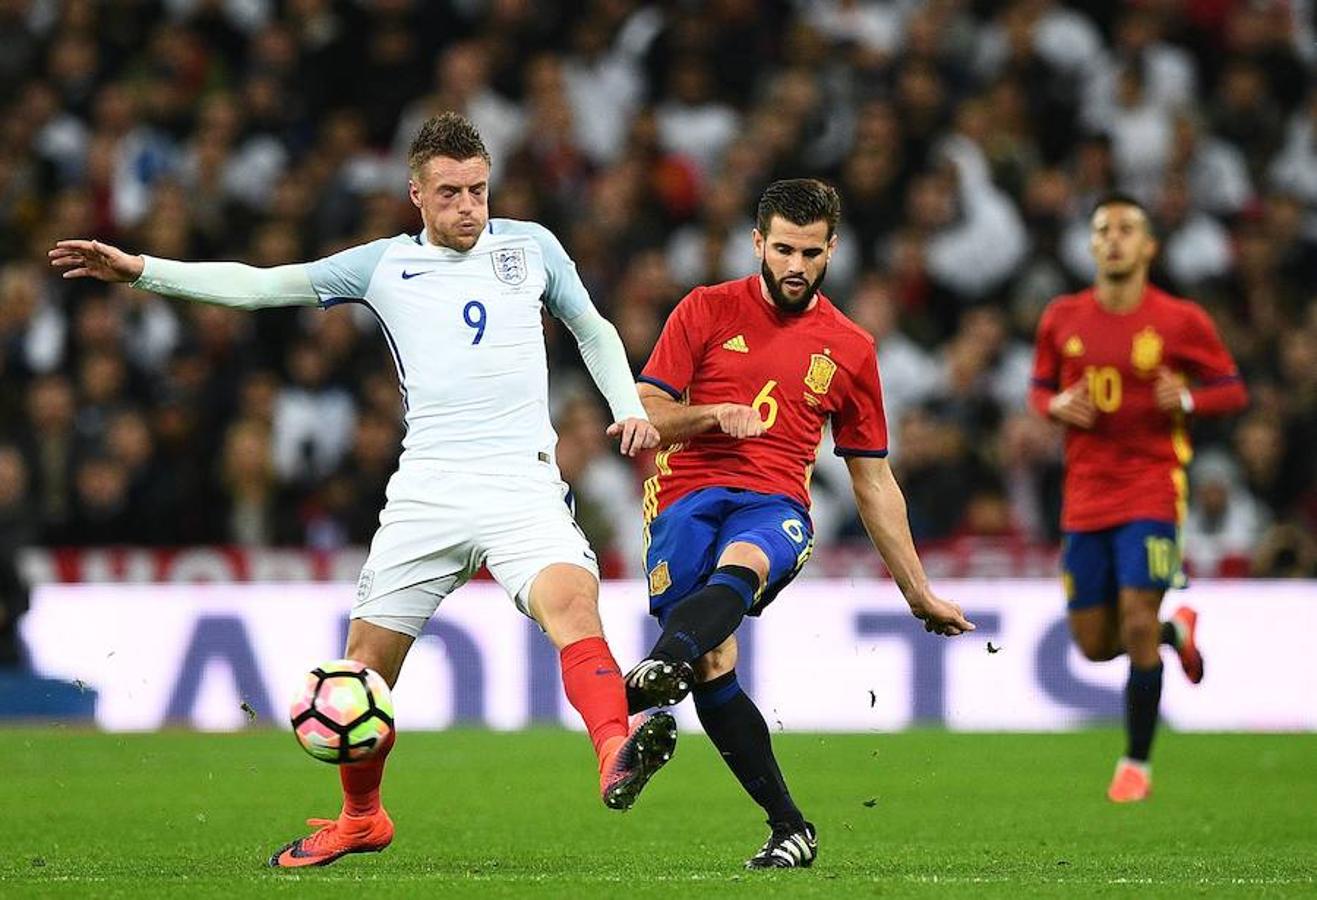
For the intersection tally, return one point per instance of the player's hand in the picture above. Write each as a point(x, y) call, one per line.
point(1074, 406)
point(1169, 391)
point(634, 435)
point(940, 616)
point(739, 421)
point(94, 259)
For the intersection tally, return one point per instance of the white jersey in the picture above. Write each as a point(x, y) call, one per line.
point(466, 334)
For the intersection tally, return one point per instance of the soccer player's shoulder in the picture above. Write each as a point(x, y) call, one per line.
point(710, 301)
point(842, 330)
point(536, 232)
point(1065, 306)
point(398, 242)
point(1063, 303)
point(734, 291)
point(1179, 306)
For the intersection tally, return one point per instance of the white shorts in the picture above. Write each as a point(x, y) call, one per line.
point(438, 528)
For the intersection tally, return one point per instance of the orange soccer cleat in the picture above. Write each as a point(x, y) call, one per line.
point(1185, 620)
point(627, 768)
point(1131, 783)
point(335, 838)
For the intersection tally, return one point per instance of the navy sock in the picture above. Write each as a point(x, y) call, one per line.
point(738, 730)
point(707, 617)
point(1143, 694)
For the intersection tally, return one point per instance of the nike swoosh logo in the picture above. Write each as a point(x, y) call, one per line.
point(296, 851)
point(406, 275)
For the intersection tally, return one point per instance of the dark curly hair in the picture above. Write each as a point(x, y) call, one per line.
point(447, 134)
point(801, 201)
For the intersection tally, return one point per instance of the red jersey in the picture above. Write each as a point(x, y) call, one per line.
point(727, 344)
point(1130, 464)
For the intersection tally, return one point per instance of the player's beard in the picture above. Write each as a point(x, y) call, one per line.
point(781, 300)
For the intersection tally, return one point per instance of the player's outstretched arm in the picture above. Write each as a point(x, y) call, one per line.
point(605, 358)
point(221, 283)
point(883, 511)
point(678, 421)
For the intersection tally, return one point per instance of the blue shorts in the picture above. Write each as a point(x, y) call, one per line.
point(684, 542)
point(1142, 554)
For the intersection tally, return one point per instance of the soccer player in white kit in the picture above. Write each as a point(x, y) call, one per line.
point(460, 306)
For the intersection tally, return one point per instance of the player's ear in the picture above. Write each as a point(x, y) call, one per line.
point(414, 191)
point(759, 243)
point(832, 245)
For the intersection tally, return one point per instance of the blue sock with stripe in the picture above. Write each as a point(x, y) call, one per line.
point(737, 728)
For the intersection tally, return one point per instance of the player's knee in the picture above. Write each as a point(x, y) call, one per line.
point(387, 661)
point(564, 593)
point(717, 662)
point(1096, 645)
point(1140, 631)
point(748, 555)
point(568, 612)
point(1093, 647)
point(571, 606)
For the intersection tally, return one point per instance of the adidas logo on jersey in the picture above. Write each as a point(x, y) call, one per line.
point(737, 344)
point(1073, 346)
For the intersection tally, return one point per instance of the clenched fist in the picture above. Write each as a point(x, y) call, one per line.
point(1074, 406)
point(739, 421)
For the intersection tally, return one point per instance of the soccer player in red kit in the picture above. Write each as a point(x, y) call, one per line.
point(1122, 365)
point(740, 385)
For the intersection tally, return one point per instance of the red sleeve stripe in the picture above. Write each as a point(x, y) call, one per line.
point(661, 385)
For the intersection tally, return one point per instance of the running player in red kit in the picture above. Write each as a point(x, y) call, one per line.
point(1122, 365)
point(740, 385)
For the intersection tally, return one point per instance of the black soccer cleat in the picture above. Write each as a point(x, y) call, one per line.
point(656, 682)
point(647, 749)
point(787, 848)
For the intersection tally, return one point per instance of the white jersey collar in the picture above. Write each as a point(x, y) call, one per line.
point(448, 252)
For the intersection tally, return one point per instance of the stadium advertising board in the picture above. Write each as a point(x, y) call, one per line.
point(828, 656)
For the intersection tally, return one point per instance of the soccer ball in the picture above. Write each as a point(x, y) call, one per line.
point(342, 712)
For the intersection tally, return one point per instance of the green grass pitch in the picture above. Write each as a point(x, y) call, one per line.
point(484, 814)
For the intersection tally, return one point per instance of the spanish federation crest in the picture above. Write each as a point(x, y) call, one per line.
point(821, 369)
point(510, 265)
point(1146, 354)
point(659, 579)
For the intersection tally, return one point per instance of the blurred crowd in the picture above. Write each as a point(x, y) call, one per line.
point(968, 139)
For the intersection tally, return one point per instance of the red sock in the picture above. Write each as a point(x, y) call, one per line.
point(593, 684)
point(361, 782)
